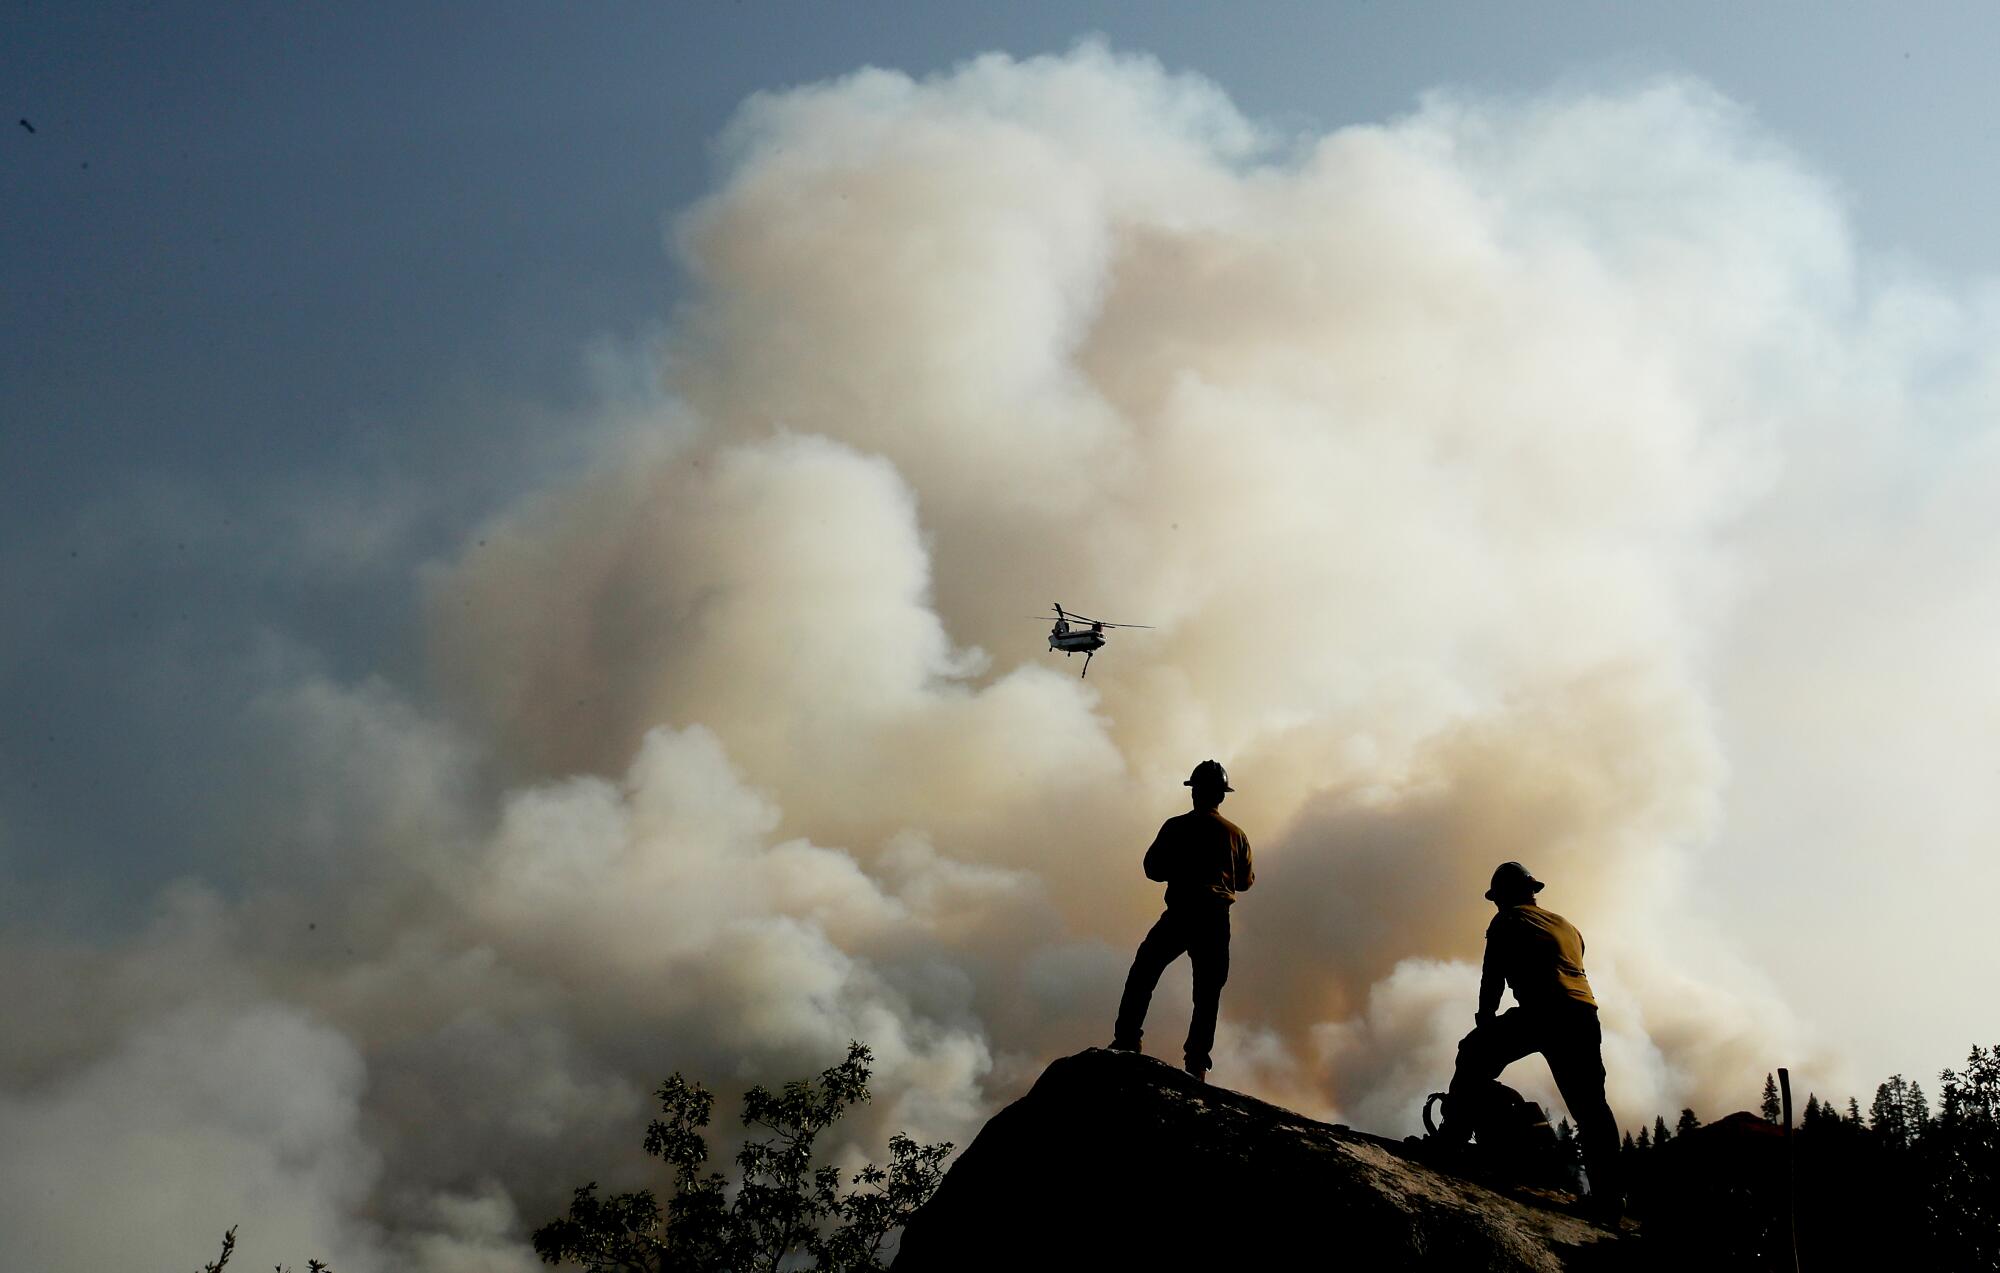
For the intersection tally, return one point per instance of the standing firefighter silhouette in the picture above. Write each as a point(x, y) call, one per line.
point(1204, 860)
point(1539, 954)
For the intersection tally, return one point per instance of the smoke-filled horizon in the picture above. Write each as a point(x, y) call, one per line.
point(1545, 480)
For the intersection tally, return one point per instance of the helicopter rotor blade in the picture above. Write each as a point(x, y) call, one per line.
point(1071, 616)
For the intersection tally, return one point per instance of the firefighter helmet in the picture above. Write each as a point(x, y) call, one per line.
point(1511, 879)
point(1207, 772)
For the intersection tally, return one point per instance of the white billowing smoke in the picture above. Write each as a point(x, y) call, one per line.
point(1444, 456)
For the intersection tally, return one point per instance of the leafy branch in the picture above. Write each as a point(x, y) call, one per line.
point(783, 1205)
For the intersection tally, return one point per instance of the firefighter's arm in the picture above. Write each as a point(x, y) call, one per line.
point(1157, 865)
point(1246, 874)
point(1491, 980)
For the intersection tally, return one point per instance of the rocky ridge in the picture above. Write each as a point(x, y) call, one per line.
point(1120, 1161)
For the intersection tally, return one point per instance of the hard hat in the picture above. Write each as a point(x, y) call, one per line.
point(1209, 771)
point(1511, 878)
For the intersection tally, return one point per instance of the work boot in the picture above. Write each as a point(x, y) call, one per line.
point(1200, 1073)
point(1122, 1045)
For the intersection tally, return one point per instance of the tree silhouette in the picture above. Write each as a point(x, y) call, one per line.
point(1962, 1157)
point(221, 1262)
point(1903, 1188)
point(784, 1207)
point(1888, 1116)
point(1770, 1108)
point(1917, 1110)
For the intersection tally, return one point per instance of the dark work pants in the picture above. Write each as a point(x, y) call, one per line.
point(1201, 932)
point(1570, 1040)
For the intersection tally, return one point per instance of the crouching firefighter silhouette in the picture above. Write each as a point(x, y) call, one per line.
point(1540, 955)
point(1204, 859)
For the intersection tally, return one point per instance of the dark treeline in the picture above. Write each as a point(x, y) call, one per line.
point(1901, 1183)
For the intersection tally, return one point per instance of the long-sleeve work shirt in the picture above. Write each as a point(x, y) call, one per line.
point(1203, 857)
point(1538, 953)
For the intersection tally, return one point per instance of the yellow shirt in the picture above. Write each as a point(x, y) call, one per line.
point(1202, 856)
point(1538, 953)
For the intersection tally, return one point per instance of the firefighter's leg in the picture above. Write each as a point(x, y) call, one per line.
point(1208, 948)
point(1162, 946)
point(1575, 1054)
point(1489, 1049)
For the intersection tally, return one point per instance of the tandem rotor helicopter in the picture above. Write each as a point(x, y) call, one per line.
point(1080, 640)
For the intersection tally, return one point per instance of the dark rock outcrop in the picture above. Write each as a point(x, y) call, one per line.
point(1116, 1161)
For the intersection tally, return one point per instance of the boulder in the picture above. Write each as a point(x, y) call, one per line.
point(1119, 1161)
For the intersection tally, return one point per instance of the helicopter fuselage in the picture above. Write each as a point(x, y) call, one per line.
point(1079, 634)
point(1078, 642)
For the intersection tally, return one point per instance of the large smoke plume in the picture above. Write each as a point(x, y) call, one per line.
point(1449, 458)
